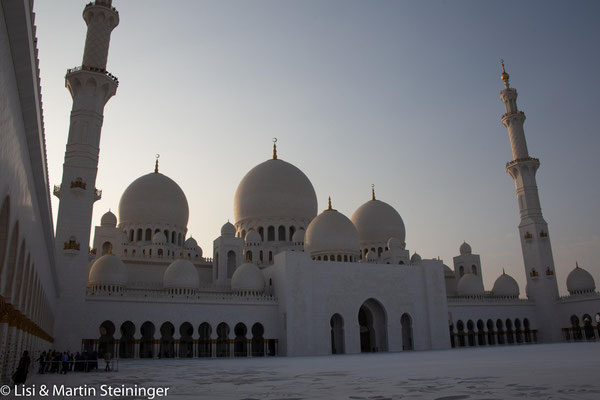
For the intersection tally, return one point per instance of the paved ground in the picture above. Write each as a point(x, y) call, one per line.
point(560, 371)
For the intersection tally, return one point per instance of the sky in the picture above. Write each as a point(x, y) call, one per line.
point(400, 94)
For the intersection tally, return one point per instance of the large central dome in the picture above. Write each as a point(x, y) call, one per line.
point(275, 189)
point(154, 199)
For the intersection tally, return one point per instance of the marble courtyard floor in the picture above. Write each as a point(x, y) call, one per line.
point(557, 371)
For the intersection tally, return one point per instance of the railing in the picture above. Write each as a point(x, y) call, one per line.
point(102, 4)
point(94, 69)
point(512, 113)
point(517, 160)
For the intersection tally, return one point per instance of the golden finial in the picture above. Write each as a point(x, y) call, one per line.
point(503, 272)
point(504, 75)
point(329, 208)
point(274, 148)
point(373, 191)
point(156, 164)
point(576, 264)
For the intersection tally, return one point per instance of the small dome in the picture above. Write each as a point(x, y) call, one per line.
point(228, 229)
point(275, 189)
point(108, 270)
point(247, 278)
point(298, 236)
point(580, 281)
point(331, 232)
point(181, 274)
point(109, 219)
point(377, 222)
point(252, 237)
point(159, 238)
point(154, 199)
point(371, 256)
point(469, 285)
point(465, 248)
point(415, 259)
point(190, 244)
point(395, 243)
point(505, 286)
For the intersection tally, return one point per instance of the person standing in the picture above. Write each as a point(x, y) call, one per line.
point(42, 360)
point(20, 375)
point(107, 357)
point(65, 363)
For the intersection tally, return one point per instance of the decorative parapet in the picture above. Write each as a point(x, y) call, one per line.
point(97, 194)
point(94, 69)
point(487, 300)
point(580, 296)
point(106, 4)
point(56, 191)
point(166, 295)
point(518, 160)
point(510, 113)
point(78, 183)
point(72, 244)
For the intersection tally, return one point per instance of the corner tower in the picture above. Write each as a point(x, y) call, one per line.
point(533, 229)
point(91, 86)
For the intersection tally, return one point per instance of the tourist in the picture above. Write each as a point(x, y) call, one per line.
point(20, 375)
point(107, 357)
point(65, 363)
point(42, 360)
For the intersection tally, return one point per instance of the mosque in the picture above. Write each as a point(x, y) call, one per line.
point(285, 278)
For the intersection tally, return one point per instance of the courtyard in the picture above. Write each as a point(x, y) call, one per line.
point(555, 371)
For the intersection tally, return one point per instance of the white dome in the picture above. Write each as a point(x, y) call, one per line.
point(275, 189)
point(253, 237)
point(181, 274)
point(154, 199)
point(247, 278)
point(108, 270)
point(298, 236)
point(465, 248)
point(331, 232)
point(505, 286)
point(190, 244)
point(159, 238)
point(469, 285)
point(109, 219)
point(228, 229)
point(415, 259)
point(580, 281)
point(377, 222)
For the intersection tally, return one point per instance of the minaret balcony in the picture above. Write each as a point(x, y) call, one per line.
point(101, 3)
point(56, 191)
point(97, 194)
point(94, 69)
point(520, 160)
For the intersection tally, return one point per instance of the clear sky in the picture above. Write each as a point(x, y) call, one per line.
point(401, 94)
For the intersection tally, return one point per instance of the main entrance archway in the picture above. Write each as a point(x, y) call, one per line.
point(372, 319)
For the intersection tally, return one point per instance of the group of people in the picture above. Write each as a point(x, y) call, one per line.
point(56, 362)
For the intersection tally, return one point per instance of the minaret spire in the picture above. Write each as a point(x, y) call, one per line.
point(373, 191)
point(274, 148)
point(533, 229)
point(156, 164)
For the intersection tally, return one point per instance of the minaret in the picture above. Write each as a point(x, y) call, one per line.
point(533, 229)
point(91, 86)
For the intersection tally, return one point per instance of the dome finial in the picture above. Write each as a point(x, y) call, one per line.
point(329, 208)
point(274, 148)
point(503, 271)
point(504, 75)
point(156, 164)
point(576, 264)
point(372, 191)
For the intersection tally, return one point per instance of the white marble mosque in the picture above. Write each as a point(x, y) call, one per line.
point(285, 278)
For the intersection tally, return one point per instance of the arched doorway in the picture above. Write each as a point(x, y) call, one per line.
point(337, 334)
point(167, 343)
point(373, 327)
point(240, 343)
point(490, 332)
point(186, 343)
point(471, 332)
point(258, 341)
point(223, 340)
point(127, 342)
point(106, 343)
point(500, 331)
point(460, 327)
point(147, 342)
point(407, 333)
point(588, 328)
point(204, 342)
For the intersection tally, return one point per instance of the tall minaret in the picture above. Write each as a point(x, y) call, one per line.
point(533, 229)
point(91, 86)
